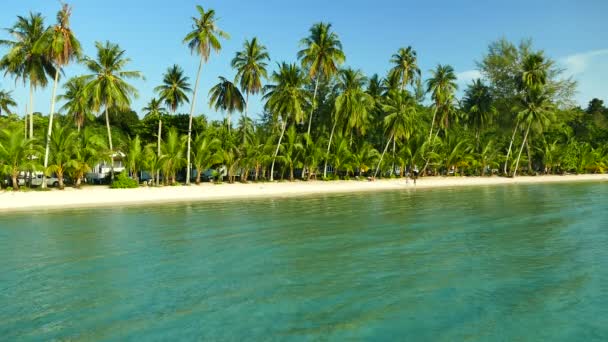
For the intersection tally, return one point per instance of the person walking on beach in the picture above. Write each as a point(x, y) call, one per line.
point(415, 175)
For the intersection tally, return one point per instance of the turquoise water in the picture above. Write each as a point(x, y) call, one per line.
point(506, 263)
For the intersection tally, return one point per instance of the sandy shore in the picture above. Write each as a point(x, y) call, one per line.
point(94, 196)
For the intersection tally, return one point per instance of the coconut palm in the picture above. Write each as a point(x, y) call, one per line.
point(352, 107)
point(532, 78)
point(204, 37)
point(61, 46)
point(61, 147)
point(364, 156)
point(285, 100)
point(16, 153)
point(76, 102)
point(250, 64)
point(312, 155)
point(291, 150)
point(400, 109)
point(321, 55)
point(88, 150)
point(107, 85)
point(442, 86)
point(135, 157)
point(173, 154)
point(205, 153)
point(175, 87)
point(478, 104)
point(226, 97)
point(537, 110)
point(6, 101)
point(23, 61)
point(405, 66)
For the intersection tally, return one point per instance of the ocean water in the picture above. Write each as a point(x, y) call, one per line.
point(501, 263)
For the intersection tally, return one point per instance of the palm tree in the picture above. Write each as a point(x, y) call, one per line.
point(250, 64)
point(533, 76)
point(76, 101)
point(204, 37)
point(155, 109)
point(312, 156)
point(285, 100)
point(478, 103)
point(135, 157)
point(226, 97)
point(205, 153)
point(322, 55)
point(61, 46)
point(6, 101)
point(88, 150)
point(442, 86)
point(352, 106)
point(23, 61)
point(173, 154)
point(364, 157)
point(15, 154)
point(175, 87)
point(107, 85)
point(536, 110)
point(61, 146)
point(291, 150)
point(400, 109)
point(405, 66)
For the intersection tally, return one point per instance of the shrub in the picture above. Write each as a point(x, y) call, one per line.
point(122, 181)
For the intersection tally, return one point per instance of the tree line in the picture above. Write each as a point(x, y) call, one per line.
point(321, 119)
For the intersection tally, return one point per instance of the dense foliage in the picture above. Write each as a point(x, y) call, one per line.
point(322, 119)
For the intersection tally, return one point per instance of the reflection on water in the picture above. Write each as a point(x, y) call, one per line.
point(489, 263)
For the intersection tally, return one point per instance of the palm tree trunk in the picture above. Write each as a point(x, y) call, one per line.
point(31, 111)
point(198, 74)
point(25, 123)
point(529, 156)
point(246, 116)
point(382, 156)
point(110, 144)
point(276, 152)
point(510, 146)
point(522, 148)
point(160, 132)
point(331, 136)
point(433, 122)
point(48, 135)
point(15, 182)
point(394, 145)
point(59, 180)
point(314, 97)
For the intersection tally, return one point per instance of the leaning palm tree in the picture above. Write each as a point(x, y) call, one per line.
point(6, 101)
point(23, 61)
point(250, 64)
point(400, 109)
point(322, 55)
point(285, 100)
point(226, 97)
point(442, 86)
point(536, 111)
point(75, 100)
point(204, 37)
point(533, 76)
point(61, 46)
point(406, 66)
point(107, 85)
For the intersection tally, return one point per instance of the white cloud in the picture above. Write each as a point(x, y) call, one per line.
point(467, 76)
point(590, 70)
point(578, 63)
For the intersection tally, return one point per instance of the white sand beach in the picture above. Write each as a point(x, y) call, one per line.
point(94, 196)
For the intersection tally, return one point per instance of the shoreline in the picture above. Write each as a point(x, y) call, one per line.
point(101, 196)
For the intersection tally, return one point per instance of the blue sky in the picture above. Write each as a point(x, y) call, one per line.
point(441, 31)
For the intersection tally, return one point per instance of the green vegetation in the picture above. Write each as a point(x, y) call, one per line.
point(321, 117)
